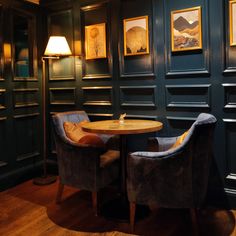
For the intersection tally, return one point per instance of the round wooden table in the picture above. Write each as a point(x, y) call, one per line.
point(127, 127)
point(116, 127)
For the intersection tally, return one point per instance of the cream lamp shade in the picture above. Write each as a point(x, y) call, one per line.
point(57, 46)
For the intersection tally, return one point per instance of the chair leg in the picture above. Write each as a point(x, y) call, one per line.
point(95, 202)
point(59, 192)
point(132, 209)
point(193, 212)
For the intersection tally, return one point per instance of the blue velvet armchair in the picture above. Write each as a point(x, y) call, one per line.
point(172, 177)
point(83, 166)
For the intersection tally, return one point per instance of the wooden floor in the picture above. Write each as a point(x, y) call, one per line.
point(30, 210)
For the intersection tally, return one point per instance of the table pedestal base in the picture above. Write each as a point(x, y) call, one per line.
point(118, 210)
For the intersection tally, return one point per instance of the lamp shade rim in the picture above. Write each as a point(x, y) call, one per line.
point(57, 46)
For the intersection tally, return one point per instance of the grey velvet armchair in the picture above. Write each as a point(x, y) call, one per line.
point(81, 165)
point(172, 177)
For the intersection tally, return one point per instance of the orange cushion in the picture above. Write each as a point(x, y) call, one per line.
point(75, 133)
point(109, 157)
point(180, 140)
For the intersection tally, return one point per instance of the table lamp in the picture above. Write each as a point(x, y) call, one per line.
point(57, 47)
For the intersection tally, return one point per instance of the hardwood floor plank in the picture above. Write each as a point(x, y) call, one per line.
point(30, 210)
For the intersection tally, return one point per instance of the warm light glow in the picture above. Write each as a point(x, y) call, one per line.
point(7, 51)
point(57, 46)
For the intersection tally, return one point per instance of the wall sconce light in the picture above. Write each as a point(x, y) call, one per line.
point(57, 47)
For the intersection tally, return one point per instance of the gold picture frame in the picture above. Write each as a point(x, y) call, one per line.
point(136, 39)
point(95, 41)
point(186, 29)
point(232, 25)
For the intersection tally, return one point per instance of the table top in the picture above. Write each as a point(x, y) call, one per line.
point(127, 127)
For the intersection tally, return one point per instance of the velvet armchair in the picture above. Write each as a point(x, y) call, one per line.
point(172, 177)
point(83, 166)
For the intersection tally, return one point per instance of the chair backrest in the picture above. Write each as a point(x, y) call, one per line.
point(71, 116)
point(202, 142)
point(176, 177)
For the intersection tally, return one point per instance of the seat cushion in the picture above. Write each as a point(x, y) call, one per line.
point(109, 157)
point(180, 140)
point(75, 133)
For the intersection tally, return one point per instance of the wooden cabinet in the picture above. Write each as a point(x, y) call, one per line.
point(20, 111)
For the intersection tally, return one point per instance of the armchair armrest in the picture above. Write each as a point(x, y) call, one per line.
point(160, 144)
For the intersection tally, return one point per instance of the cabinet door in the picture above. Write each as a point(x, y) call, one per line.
point(23, 41)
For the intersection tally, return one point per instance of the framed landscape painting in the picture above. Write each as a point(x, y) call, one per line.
point(136, 40)
point(232, 22)
point(186, 29)
point(95, 41)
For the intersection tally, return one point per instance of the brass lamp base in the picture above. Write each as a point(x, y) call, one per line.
point(45, 180)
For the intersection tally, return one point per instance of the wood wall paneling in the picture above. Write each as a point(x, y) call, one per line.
point(23, 46)
point(230, 96)
point(2, 99)
point(62, 85)
point(177, 125)
point(139, 65)
point(193, 62)
point(61, 23)
point(27, 97)
point(138, 96)
point(1, 44)
point(100, 68)
point(97, 96)
point(62, 96)
point(188, 96)
point(230, 136)
point(3, 142)
point(26, 136)
point(99, 116)
point(62, 69)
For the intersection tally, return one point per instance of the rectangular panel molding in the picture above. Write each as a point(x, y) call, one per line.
point(142, 117)
point(62, 96)
point(3, 142)
point(97, 96)
point(2, 99)
point(97, 76)
point(192, 62)
point(27, 97)
point(100, 68)
point(26, 136)
point(190, 96)
point(229, 52)
point(61, 23)
point(230, 136)
point(138, 96)
point(136, 66)
point(179, 124)
point(100, 116)
point(229, 96)
point(62, 69)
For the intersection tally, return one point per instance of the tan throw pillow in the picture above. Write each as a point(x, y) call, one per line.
point(180, 140)
point(75, 133)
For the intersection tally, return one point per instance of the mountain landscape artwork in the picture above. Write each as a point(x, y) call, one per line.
point(186, 29)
